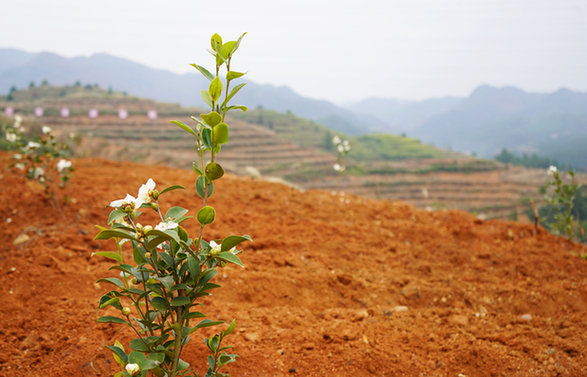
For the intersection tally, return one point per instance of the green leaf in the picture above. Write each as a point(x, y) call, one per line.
point(215, 89)
point(206, 97)
point(200, 187)
point(115, 281)
point(184, 126)
point(231, 241)
point(206, 215)
point(214, 171)
point(175, 212)
point(180, 301)
point(115, 215)
point(119, 352)
point(226, 49)
point(109, 254)
point(211, 119)
point(220, 134)
point(149, 364)
point(137, 345)
point(238, 42)
point(181, 365)
point(194, 315)
point(233, 92)
point(194, 266)
point(109, 319)
point(230, 328)
point(123, 267)
point(167, 281)
point(237, 107)
point(209, 286)
point(230, 257)
point(231, 75)
point(206, 323)
point(106, 234)
point(207, 276)
point(216, 41)
point(159, 303)
point(156, 241)
point(197, 169)
point(179, 286)
point(203, 71)
point(106, 301)
point(206, 132)
point(171, 188)
point(169, 234)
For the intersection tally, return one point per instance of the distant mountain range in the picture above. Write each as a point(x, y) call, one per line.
point(19, 68)
point(553, 125)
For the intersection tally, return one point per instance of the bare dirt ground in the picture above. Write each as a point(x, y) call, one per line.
point(334, 285)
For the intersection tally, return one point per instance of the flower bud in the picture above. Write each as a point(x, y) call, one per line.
point(155, 194)
point(133, 369)
point(128, 209)
point(139, 226)
point(148, 255)
point(147, 229)
point(126, 311)
point(223, 263)
point(134, 281)
point(154, 206)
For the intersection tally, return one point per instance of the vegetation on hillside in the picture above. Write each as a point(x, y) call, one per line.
point(370, 147)
point(532, 161)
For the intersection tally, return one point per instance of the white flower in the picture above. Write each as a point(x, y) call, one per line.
point(338, 167)
point(551, 170)
point(33, 145)
point(133, 369)
point(17, 121)
point(10, 136)
point(19, 166)
point(339, 148)
point(215, 248)
point(345, 143)
point(46, 130)
point(72, 135)
point(336, 140)
point(17, 156)
point(39, 172)
point(128, 200)
point(146, 191)
point(21, 129)
point(63, 164)
point(166, 225)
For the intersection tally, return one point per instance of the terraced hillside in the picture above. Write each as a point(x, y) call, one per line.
point(288, 148)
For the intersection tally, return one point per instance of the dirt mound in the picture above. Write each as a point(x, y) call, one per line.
point(334, 285)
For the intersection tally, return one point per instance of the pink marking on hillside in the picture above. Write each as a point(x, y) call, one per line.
point(9, 111)
point(65, 112)
point(39, 111)
point(122, 114)
point(152, 114)
point(93, 113)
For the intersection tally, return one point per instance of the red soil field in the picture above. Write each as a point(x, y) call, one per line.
point(334, 285)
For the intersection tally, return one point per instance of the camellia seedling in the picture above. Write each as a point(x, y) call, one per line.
point(158, 295)
point(562, 198)
point(36, 158)
point(342, 149)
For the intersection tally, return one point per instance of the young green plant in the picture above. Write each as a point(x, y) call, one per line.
point(173, 271)
point(561, 197)
point(36, 158)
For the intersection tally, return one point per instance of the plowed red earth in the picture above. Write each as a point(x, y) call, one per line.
point(320, 293)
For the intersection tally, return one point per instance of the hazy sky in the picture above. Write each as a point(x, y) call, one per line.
point(336, 50)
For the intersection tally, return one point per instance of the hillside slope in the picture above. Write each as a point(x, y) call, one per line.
point(331, 287)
